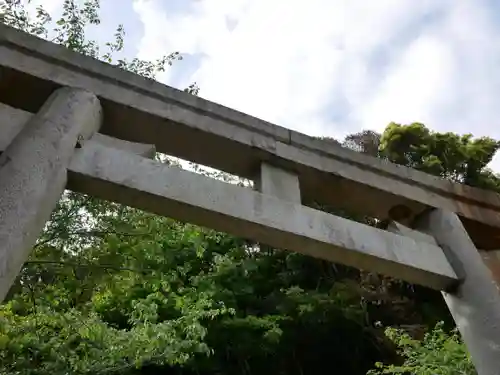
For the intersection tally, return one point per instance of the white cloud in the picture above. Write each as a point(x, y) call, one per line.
point(285, 59)
point(416, 86)
point(332, 67)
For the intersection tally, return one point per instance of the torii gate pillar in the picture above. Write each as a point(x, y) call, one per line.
point(475, 302)
point(33, 173)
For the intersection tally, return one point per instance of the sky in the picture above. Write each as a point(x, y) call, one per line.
point(326, 67)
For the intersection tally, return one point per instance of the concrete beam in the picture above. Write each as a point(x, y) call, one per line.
point(140, 149)
point(145, 184)
point(490, 258)
point(403, 230)
point(33, 172)
point(179, 124)
point(13, 120)
point(278, 183)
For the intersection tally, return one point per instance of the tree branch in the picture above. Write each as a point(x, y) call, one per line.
point(88, 265)
point(98, 233)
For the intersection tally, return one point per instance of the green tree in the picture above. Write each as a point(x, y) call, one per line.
point(457, 158)
point(439, 353)
point(461, 159)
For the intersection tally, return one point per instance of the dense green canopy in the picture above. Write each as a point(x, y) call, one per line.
point(113, 290)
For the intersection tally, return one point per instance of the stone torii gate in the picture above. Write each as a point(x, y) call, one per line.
point(70, 121)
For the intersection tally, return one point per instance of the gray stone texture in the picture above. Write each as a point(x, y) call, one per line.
point(12, 120)
point(474, 302)
point(142, 183)
point(33, 173)
point(278, 183)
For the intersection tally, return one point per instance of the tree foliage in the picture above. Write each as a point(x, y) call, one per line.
point(458, 158)
point(113, 290)
point(439, 353)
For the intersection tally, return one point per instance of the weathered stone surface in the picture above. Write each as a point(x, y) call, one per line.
point(492, 260)
point(474, 302)
point(33, 173)
point(125, 178)
point(12, 120)
point(278, 183)
point(141, 149)
point(144, 111)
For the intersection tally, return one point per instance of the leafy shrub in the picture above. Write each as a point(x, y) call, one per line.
point(439, 353)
